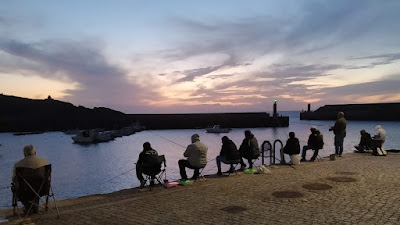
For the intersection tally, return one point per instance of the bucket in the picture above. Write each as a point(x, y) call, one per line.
point(295, 159)
point(332, 157)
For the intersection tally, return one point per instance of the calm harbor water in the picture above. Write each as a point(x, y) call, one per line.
point(80, 170)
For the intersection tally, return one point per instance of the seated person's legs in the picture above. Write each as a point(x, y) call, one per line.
point(315, 154)
point(303, 153)
point(139, 175)
point(183, 163)
point(220, 159)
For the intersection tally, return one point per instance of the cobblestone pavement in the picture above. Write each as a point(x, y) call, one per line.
point(357, 189)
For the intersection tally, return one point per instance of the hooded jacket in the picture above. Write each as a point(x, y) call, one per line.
point(196, 152)
point(229, 150)
point(316, 140)
point(380, 134)
point(249, 147)
point(292, 146)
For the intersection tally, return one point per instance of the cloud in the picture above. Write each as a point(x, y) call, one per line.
point(100, 82)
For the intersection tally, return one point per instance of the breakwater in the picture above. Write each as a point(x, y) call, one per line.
point(375, 112)
point(203, 120)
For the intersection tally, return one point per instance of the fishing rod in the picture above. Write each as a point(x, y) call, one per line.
point(168, 140)
point(118, 176)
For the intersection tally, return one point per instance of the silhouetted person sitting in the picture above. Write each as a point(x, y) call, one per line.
point(365, 142)
point(248, 149)
point(196, 154)
point(33, 162)
point(315, 142)
point(147, 163)
point(228, 155)
point(292, 146)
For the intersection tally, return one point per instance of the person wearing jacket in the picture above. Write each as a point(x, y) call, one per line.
point(365, 142)
point(248, 149)
point(379, 138)
point(33, 162)
point(228, 155)
point(148, 161)
point(292, 146)
point(339, 129)
point(196, 154)
point(315, 142)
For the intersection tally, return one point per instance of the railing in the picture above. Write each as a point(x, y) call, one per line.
point(266, 147)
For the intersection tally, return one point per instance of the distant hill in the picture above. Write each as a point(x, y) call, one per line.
point(23, 115)
point(373, 112)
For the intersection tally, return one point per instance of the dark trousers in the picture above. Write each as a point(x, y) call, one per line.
point(31, 203)
point(305, 148)
point(339, 138)
point(140, 170)
point(375, 145)
point(250, 160)
point(223, 159)
point(183, 163)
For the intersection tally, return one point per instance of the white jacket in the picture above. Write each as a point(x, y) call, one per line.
point(380, 134)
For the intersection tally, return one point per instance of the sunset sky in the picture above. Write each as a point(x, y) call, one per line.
point(201, 56)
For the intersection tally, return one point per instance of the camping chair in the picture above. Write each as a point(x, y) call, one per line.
point(319, 158)
point(235, 165)
point(32, 184)
point(157, 171)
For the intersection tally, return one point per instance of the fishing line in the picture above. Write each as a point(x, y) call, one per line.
point(168, 140)
point(118, 176)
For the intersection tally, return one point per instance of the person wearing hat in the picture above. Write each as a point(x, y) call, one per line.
point(365, 142)
point(378, 139)
point(33, 162)
point(196, 154)
point(147, 162)
point(315, 142)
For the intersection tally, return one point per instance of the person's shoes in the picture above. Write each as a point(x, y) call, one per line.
point(142, 183)
point(303, 160)
point(242, 168)
point(219, 173)
point(152, 183)
point(230, 171)
point(194, 177)
point(340, 155)
point(312, 160)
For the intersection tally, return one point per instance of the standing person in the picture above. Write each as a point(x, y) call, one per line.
point(147, 161)
point(33, 162)
point(292, 146)
point(339, 129)
point(248, 149)
point(315, 142)
point(228, 155)
point(196, 154)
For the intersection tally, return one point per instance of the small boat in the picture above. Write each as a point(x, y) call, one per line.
point(218, 129)
point(92, 136)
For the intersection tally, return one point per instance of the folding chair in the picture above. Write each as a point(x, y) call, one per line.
point(32, 184)
point(235, 165)
point(201, 175)
point(157, 171)
point(319, 158)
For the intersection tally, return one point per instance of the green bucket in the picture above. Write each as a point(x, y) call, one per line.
point(250, 171)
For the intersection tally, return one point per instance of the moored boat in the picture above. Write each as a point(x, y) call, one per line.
point(218, 129)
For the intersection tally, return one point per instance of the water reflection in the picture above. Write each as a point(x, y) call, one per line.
point(106, 167)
